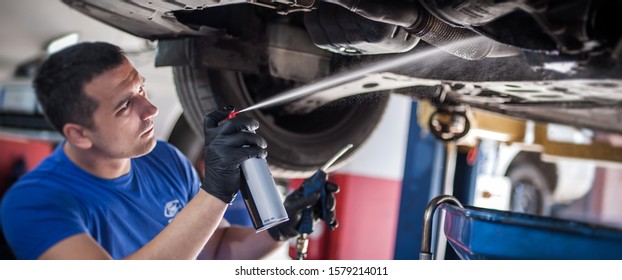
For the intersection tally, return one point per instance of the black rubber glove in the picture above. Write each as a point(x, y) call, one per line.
point(226, 146)
point(295, 203)
point(328, 214)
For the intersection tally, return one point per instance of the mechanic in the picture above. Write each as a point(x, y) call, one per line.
point(111, 190)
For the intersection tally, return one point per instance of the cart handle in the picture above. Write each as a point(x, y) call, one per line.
point(428, 215)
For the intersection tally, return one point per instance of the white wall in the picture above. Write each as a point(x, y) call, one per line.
point(384, 153)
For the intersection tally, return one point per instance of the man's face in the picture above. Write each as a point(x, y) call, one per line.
point(123, 121)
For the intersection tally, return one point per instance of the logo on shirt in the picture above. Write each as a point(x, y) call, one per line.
point(171, 208)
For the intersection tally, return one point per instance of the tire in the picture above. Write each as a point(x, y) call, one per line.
point(297, 144)
point(187, 141)
point(533, 183)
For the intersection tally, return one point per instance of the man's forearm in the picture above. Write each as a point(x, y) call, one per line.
point(243, 243)
point(189, 231)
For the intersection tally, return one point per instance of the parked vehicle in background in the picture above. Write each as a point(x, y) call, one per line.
point(523, 182)
point(519, 172)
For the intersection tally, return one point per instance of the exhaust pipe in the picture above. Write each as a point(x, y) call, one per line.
point(419, 22)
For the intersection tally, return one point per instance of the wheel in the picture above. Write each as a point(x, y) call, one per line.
point(187, 141)
point(298, 144)
point(532, 185)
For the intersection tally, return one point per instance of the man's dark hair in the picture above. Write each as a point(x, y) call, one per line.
point(61, 79)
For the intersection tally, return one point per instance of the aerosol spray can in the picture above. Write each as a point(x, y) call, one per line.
point(261, 196)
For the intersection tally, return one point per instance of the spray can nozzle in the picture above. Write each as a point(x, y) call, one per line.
point(232, 114)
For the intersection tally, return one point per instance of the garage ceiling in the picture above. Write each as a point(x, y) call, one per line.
point(27, 25)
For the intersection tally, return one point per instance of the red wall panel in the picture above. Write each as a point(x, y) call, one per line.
point(13, 149)
point(367, 211)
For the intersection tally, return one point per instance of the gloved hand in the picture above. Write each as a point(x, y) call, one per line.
point(295, 203)
point(328, 213)
point(226, 146)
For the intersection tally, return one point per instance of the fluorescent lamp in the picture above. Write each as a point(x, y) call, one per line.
point(62, 42)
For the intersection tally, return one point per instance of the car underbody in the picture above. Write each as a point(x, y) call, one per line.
point(547, 61)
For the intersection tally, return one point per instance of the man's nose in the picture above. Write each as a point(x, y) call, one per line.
point(148, 110)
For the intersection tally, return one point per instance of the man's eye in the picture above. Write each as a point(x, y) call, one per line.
point(142, 90)
point(125, 106)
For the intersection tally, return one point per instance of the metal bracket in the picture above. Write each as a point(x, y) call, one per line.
point(284, 7)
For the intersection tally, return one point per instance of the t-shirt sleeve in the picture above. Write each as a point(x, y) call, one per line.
point(188, 172)
point(32, 221)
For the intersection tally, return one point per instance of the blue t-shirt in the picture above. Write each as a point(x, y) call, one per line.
point(58, 199)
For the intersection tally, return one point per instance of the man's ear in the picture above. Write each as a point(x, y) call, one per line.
point(77, 135)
